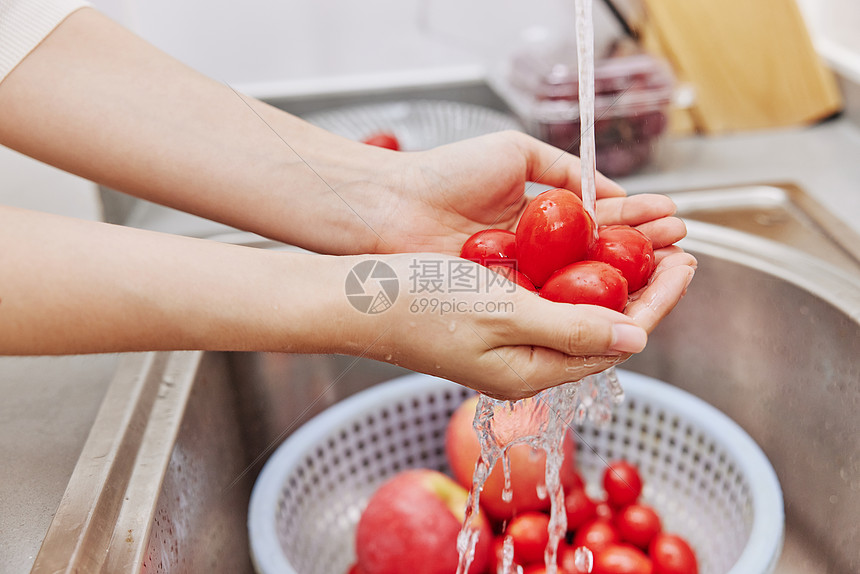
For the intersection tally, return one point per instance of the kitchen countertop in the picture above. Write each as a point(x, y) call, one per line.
point(47, 409)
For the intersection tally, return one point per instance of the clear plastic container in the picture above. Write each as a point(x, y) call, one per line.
point(633, 91)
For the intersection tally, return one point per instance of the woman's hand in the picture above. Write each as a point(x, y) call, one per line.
point(455, 319)
point(434, 200)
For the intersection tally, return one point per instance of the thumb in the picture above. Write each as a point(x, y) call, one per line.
point(580, 329)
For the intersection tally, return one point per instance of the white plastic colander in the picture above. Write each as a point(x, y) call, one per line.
point(706, 477)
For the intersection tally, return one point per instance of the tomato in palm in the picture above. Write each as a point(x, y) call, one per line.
point(587, 282)
point(579, 508)
point(596, 535)
point(638, 524)
point(621, 559)
point(554, 231)
point(628, 250)
point(530, 535)
point(622, 483)
point(386, 140)
point(672, 555)
point(513, 275)
point(491, 247)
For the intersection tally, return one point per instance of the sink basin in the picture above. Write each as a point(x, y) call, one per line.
point(769, 333)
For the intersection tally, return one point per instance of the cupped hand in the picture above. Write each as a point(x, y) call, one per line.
point(508, 342)
point(434, 200)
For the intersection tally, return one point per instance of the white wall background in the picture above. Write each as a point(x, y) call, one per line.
point(276, 47)
point(835, 26)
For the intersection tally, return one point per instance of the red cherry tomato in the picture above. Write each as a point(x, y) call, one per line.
point(637, 524)
point(672, 555)
point(621, 559)
point(628, 250)
point(579, 508)
point(589, 282)
point(529, 531)
point(622, 483)
point(383, 139)
point(576, 481)
point(596, 535)
point(491, 246)
point(512, 274)
point(604, 510)
point(554, 231)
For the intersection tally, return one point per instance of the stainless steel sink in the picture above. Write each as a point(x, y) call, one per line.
point(768, 333)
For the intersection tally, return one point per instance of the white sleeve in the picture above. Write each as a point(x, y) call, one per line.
point(25, 23)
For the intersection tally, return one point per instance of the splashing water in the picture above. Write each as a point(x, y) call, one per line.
point(583, 560)
point(541, 422)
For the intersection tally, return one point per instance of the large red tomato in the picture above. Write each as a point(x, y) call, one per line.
point(628, 250)
point(554, 231)
point(589, 282)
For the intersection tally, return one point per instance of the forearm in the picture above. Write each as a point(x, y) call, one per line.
point(95, 100)
point(69, 286)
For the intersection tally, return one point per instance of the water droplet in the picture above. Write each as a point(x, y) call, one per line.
point(452, 326)
point(583, 560)
point(388, 357)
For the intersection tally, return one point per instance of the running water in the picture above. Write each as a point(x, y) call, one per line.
point(543, 420)
point(585, 62)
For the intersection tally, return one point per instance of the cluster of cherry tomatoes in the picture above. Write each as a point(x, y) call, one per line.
point(553, 252)
point(624, 535)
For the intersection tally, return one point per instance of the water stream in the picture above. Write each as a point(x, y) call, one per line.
point(543, 420)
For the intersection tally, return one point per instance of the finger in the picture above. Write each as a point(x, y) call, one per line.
point(576, 329)
point(663, 252)
point(661, 296)
point(531, 370)
point(634, 210)
point(667, 258)
point(664, 232)
point(673, 257)
point(555, 167)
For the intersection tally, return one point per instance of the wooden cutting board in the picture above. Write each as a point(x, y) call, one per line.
point(751, 62)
